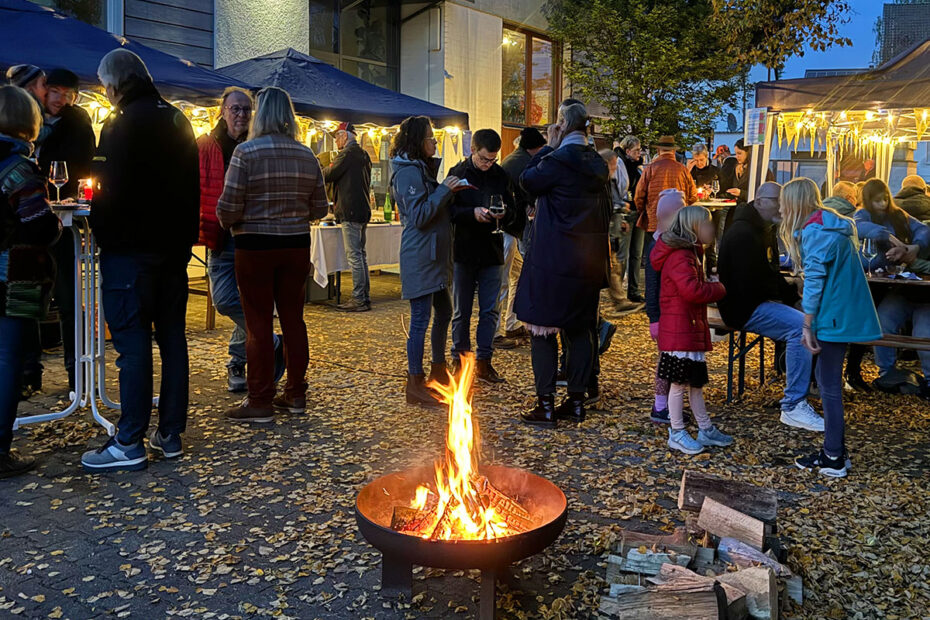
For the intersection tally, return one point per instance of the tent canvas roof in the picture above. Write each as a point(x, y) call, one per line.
point(326, 93)
point(901, 83)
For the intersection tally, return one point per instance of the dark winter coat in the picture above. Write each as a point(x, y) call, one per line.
point(915, 201)
point(70, 140)
point(684, 297)
point(567, 262)
point(475, 243)
point(747, 262)
point(350, 176)
point(634, 168)
point(514, 165)
point(147, 198)
point(705, 175)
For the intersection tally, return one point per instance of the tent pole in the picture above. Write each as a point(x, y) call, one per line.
point(831, 167)
point(767, 147)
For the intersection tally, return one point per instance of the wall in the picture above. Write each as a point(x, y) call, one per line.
point(421, 70)
point(180, 27)
point(246, 28)
point(526, 13)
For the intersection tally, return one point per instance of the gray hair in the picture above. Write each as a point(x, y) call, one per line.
point(699, 148)
point(575, 116)
point(119, 66)
point(274, 114)
point(629, 142)
point(608, 154)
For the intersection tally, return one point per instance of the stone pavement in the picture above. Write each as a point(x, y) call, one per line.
point(258, 521)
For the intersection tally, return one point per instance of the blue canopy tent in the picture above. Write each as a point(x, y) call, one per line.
point(323, 92)
point(40, 36)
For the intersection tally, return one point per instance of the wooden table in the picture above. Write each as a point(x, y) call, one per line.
point(883, 279)
point(715, 203)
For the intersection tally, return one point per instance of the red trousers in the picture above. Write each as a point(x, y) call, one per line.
point(270, 278)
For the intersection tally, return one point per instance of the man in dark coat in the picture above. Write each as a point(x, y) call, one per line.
point(478, 250)
point(630, 151)
point(567, 263)
point(145, 216)
point(913, 197)
point(761, 301)
point(71, 139)
point(350, 177)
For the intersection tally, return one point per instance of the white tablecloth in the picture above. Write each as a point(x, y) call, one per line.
point(328, 253)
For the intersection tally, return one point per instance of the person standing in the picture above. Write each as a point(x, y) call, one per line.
point(350, 177)
point(274, 189)
point(215, 150)
point(566, 265)
point(837, 306)
point(425, 250)
point(72, 141)
point(478, 252)
point(28, 225)
point(630, 151)
point(620, 231)
point(146, 171)
point(734, 174)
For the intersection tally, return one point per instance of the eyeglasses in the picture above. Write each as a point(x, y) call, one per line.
point(433, 140)
point(240, 110)
point(486, 160)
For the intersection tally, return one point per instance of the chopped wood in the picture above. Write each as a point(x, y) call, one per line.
point(411, 519)
point(617, 589)
point(742, 555)
point(516, 515)
point(755, 501)
point(657, 543)
point(724, 521)
point(760, 588)
point(794, 587)
point(736, 598)
point(647, 563)
point(688, 601)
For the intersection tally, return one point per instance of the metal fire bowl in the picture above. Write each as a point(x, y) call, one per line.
point(544, 501)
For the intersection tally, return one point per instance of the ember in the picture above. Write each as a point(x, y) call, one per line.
point(461, 504)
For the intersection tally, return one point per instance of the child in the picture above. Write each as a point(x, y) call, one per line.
point(837, 304)
point(670, 201)
point(684, 336)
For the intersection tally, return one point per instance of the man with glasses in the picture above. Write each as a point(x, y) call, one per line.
point(478, 250)
point(216, 149)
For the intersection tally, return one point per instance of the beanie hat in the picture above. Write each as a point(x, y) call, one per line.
point(530, 138)
point(63, 77)
point(346, 127)
point(670, 201)
point(20, 75)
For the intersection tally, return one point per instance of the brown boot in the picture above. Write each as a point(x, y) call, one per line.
point(418, 393)
point(244, 412)
point(438, 373)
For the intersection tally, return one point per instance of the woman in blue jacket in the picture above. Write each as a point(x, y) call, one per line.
point(837, 306)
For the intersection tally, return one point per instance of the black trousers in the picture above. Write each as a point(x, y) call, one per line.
point(580, 344)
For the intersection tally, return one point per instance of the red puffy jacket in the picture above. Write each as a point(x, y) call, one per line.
point(683, 298)
point(212, 176)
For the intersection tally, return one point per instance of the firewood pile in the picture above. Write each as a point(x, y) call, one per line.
point(726, 563)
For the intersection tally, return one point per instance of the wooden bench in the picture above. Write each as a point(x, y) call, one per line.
point(203, 292)
point(900, 342)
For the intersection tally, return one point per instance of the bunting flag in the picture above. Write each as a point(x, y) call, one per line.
point(921, 120)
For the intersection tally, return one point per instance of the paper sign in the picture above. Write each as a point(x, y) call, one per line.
point(755, 126)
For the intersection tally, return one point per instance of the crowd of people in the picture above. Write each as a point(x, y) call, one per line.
point(535, 238)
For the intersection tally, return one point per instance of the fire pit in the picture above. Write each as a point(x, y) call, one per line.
point(458, 514)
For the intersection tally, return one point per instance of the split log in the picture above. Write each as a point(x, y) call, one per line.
point(742, 555)
point(794, 587)
point(618, 589)
point(676, 542)
point(760, 588)
point(723, 521)
point(690, 601)
point(755, 501)
point(647, 563)
point(736, 598)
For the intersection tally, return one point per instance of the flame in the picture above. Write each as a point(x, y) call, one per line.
point(460, 512)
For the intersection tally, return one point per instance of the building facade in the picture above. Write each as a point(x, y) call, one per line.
point(903, 25)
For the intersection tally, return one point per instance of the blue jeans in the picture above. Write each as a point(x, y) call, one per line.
point(780, 322)
point(140, 290)
point(893, 313)
point(830, 379)
point(420, 309)
point(488, 282)
point(221, 267)
point(353, 236)
point(12, 332)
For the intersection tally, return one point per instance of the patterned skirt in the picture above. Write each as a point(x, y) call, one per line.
point(683, 367)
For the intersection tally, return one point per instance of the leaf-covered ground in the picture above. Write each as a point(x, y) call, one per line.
point(259, 521)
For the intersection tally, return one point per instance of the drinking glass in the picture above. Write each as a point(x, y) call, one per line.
point(497, 208)
point(58, 175)
point(715, 187)
point(869, 251)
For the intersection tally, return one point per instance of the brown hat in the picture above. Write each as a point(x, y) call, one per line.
point(666, 141)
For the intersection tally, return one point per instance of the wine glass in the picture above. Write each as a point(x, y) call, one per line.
point(496, 207)
point(58, 175)
point(869, 251)
point(715, 187)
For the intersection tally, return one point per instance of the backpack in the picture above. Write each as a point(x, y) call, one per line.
point(8, 218)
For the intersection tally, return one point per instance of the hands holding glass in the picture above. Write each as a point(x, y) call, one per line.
point(497, 210)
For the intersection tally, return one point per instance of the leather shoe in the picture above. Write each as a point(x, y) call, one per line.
point(543, 414)
point(418, 394)
point(572, 408)
point(485, 372)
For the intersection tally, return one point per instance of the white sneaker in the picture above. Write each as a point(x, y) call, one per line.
point(802, 415)
point(683, 442)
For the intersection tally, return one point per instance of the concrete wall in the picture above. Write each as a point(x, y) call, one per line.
point(473, 59)
point(245, 28)
point(421, 67)
point(526, 13)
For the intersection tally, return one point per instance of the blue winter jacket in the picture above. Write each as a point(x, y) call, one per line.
point(879, 232)
point(835, 289)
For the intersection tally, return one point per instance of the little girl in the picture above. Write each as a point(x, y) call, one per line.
point(684, 336)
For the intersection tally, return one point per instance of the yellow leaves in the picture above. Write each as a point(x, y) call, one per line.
point(56, 613)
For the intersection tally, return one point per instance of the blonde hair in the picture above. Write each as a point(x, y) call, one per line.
point(847, 190)
point(800, 198)
point(914, 180)
point(20, 116)
point(683, 231)
point(274, 114)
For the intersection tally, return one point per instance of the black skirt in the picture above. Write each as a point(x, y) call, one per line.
point(682, 370)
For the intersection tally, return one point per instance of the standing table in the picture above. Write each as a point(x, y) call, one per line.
point(328, 253)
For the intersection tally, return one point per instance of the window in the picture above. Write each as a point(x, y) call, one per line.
point(360, 37)
point(94, 12)
point(529, 78)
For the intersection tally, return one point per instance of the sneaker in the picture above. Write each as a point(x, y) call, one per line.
point(244, 412)
point(519, 333)
point(168, 445)
point(235, 379)
point(114, 456)
point(660, 416)
point(683, 442)
point(605, 336)
point(713, 437)
point(823, 464)
point(802, 415)
point(484, 371)
point(855, 382)
point(279, 364)
point(502, 342)
point(12, 464)
point(290, 405)
point(354, 305)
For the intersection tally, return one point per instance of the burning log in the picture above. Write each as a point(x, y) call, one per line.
point(516, 516)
